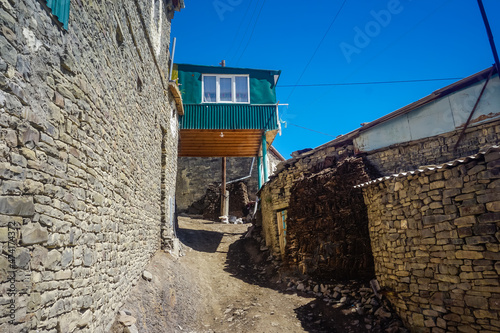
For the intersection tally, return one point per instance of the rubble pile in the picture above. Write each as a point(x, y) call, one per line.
point(238, 199)
point(209, 205)
point(327, 224)
point(368, 311)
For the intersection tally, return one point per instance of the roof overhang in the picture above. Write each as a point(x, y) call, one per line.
point(223, 143)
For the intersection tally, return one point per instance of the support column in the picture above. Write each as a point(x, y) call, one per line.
point(223, 189)
point(259, 172)
point(264, 157)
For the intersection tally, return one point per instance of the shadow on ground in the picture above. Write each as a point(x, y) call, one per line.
point(248, 263)
point(200, 240)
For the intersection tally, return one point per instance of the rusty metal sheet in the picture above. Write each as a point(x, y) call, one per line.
point(462, 103)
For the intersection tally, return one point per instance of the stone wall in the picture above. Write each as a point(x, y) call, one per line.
point(385, 161)
point(196, 174)
point(327, 225)
point(435, 236)
point(434, 150)
point(86, 123)
point(275, 195)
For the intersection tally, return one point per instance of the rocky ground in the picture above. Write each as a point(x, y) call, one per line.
point(225, 282)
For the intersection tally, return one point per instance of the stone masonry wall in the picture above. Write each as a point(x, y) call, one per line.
point(275, 194)
point(434, 150)
point(436, 243)
point(327, 224)
point(86, 123)
point(196, 174)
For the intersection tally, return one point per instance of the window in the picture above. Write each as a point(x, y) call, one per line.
point(225, 89)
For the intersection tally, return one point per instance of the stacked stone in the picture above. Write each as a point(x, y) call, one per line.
point(434, 150)
point(275, 195)
point(436, 243)
point(327, 224)
point(196, 174)
point(80, 160)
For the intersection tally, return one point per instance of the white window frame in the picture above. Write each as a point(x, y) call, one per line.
point(217, 88)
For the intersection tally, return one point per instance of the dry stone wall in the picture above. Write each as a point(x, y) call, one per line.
point(327, 224)
point(438, 149)
point(196, 174)
point(436, 243)
point(434, 150)
point(275, 195)
point(86, 124)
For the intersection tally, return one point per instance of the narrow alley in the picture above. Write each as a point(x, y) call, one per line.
point(224, 282)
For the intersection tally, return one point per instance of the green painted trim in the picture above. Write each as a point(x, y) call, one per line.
point(60, 9)
point(264, 157)
point(259, 179)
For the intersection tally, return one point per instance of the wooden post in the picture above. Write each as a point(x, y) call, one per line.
point(223, 189)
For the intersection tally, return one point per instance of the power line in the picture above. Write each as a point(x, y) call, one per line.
point(317, 48)
point(364, 83)
point(310, 129)
point(246, 30)
point(250, 38)
point(239, 27)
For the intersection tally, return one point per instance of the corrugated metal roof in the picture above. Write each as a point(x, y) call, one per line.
point(60, 9)
point(468, 81)
point(431, 167)
point(229, 117)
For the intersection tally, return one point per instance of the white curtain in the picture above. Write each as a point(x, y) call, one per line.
point(209, 92)
point(241, 89)
point(225, 89)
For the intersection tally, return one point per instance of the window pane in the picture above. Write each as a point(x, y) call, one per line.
point(209, 89)
point(225, 89)
point(241, 89)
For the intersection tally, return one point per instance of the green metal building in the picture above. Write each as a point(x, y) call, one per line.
point(228, 112)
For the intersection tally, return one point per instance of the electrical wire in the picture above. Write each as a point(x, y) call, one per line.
point(239, 28)
point(246, 30)
point(253, 29)
point(365, 83)
point(317, 48)
point(309, 129)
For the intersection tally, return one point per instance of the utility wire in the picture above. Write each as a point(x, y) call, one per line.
point(310, 129)
point(250, 38)
point(364, 83)
point(317, 48)
point(246, 30)
point(239, 27)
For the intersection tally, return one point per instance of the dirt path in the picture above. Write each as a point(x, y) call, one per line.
point(235, 305)
point(225, 283)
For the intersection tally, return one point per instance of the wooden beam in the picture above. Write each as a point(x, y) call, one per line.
point(174, 89)
point(223, 189)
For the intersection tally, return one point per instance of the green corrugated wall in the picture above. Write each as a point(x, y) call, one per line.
point(60, 9)
point(262, 82)
point(229, 116)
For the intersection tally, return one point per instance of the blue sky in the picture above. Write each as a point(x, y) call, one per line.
point(369, 41)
